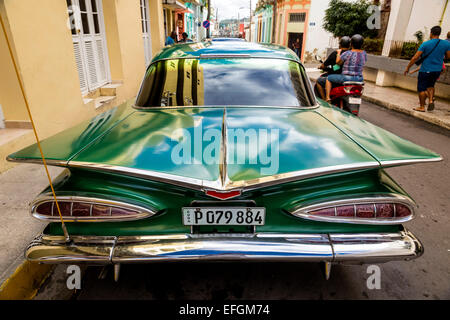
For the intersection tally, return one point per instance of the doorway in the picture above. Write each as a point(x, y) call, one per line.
point(292, 40)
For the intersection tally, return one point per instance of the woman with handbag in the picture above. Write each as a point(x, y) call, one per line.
point(430, 57)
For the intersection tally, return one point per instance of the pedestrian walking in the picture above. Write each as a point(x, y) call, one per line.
point(430, 56)
point(171, 39)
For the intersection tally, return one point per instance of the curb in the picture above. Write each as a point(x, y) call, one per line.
point(25, 282)
point(415, 114)
point(410, 112)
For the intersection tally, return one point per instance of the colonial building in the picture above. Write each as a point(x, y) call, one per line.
point(263, 22)
point(76, 58)
point(288, 17)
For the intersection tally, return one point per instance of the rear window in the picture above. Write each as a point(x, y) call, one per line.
point(225, 82)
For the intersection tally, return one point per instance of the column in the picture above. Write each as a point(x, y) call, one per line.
point(398, 22)
point(156, 25)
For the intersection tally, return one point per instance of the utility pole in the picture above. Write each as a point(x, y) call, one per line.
point(208, 31)
point(238, 25)
point(274, 20)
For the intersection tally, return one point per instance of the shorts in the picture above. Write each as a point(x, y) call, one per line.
point(341, 78)
point(322, 81)
point(427, 80)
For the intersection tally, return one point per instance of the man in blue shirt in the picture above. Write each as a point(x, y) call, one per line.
point(171, 39)
point(434, 51)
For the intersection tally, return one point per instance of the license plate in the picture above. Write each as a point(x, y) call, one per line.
point(352, 100)
point(224, 216)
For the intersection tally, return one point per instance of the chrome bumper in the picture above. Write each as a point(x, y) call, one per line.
point(359, 248)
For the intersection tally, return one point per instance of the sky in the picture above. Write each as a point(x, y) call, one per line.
point(229, 8)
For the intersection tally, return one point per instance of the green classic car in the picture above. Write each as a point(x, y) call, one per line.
point(226, 154)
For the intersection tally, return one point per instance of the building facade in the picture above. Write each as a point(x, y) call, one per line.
point(289, 18)
point(185, 16)
point(91, 58)
point(264, 19)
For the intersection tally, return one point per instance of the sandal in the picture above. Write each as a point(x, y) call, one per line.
point(431, 106)
point(420, 109)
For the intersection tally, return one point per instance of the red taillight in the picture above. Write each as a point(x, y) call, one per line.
point(88, 211)
point(345, 211)
point(385, 210)
point(346, 91)
point(367, 212)
point(402, 210)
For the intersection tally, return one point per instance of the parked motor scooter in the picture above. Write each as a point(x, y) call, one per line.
point(346, 96)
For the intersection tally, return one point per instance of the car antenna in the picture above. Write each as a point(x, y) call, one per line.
point(63, 225)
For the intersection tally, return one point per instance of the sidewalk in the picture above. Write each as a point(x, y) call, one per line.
point(18, 187)
point(400, 100)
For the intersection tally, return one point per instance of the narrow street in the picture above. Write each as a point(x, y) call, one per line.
point(425, 278)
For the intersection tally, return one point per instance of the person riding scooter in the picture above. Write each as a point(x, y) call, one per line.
point(352, 62)
point(330, 66)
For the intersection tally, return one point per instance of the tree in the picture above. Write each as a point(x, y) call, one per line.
point(343, 18)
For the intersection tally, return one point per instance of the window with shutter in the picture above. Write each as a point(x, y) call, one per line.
point(89, 43)
point(80, 67)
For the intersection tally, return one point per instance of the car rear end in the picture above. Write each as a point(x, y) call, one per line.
point(295, 221)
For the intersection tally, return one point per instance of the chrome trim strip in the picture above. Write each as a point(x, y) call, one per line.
point(299, 175)
point(223, 55)
point(304, 209)
point(55, 163)
point(246, 185)
point(362, 248)
point(300, 108)
point(393, 163)
point(381, 247)
point(142, 211)
point(252, 57)
point(192, 183)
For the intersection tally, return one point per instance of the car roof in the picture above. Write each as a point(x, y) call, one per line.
point(223, 49)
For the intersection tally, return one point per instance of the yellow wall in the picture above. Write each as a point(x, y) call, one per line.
point(44, 52)
point(43, 47)
point(112, 39)
point(156, 25)
point(127, 33)
point(13, 105)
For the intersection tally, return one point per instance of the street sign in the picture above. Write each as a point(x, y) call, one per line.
point(206, 24)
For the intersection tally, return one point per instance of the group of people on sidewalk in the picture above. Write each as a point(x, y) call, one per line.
point(172, 39)
point(347, 63)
